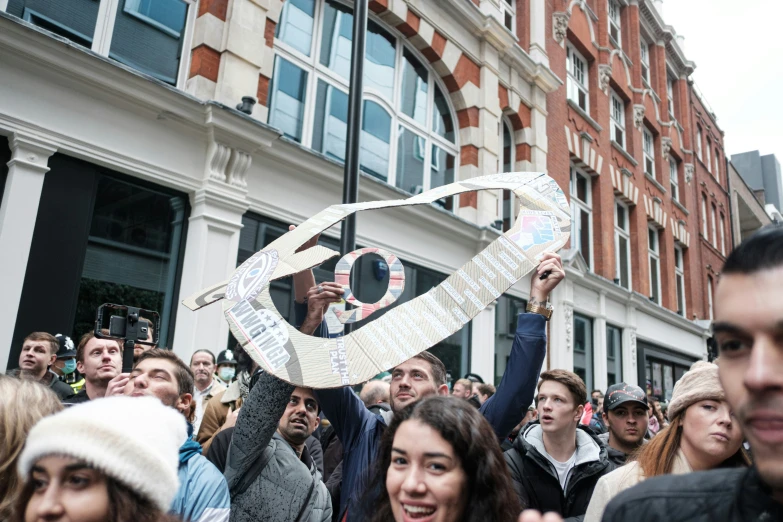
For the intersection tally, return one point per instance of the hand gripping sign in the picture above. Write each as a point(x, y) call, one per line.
point(543, 225)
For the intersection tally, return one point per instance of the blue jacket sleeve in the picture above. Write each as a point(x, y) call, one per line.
point(203, 493)
point(515, 392)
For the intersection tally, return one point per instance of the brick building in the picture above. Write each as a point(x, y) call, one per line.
point(646, 167)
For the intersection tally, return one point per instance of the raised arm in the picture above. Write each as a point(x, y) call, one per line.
point(258, 420)
point(515, 392)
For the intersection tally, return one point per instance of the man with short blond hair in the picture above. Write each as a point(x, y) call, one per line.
point(556, 462)
point(39, 351)
point(463, 388)
point(100, 362)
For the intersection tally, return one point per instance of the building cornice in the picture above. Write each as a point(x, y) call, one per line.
point(653, 23)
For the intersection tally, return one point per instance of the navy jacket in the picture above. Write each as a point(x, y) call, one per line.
point(360, 430)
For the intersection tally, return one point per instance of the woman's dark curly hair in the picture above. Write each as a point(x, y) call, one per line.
point(489, 494)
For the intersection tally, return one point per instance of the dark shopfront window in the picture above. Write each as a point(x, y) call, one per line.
point(133, 251)
point(257, 232)
point(662, 370)
point(507, 310)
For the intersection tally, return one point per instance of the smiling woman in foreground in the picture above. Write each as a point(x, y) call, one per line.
point(702, 434)
point(440, 462)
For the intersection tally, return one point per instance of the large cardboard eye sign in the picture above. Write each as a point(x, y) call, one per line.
point(543, 225)
point(342, 275)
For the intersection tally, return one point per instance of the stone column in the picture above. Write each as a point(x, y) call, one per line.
point(482, 353)
point(210, 257)
point(538, 26)
point(630, 364)
point(18, 212)
point(561, 327)
point(599, 345)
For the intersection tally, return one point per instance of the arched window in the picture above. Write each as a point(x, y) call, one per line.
point(408, 128)
point(507, 162)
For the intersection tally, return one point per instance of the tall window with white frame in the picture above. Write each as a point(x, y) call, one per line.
point(674, 179)
point(679, 280)
point(717, 166)
point(713, 215)
point(581, 215)
point(654, 256)
point(644, 58)
point(649, 153)
point(614, 355)
point(615, 25)
point(722, 234)
point(698, 141)
point(708, 150)
point(670, 95)
point(618, 120)
point(622, 245)
point(704, 216)
point(583, 349)
point(577, 81)
point(509, 14)
point(709, 298)
point(409, 136)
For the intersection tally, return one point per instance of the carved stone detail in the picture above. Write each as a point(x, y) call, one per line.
point(604, 75)
point(632, 347)
point(666, 146)
point(237, 168)
point(688, 172)
point(568, 313)
point(638, 116)
point(218, 160)
point(560, 26)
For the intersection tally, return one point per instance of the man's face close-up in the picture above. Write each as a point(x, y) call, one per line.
point(748, 328)
point(301, 416)
point(102, 360)
point(461, 391)
point(202, 367)
point(36, 357)
point(411, 381)
point(628, 422)
point(157, 378)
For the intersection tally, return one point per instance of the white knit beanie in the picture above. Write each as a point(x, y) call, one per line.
point(700, 383)
point(134, 440)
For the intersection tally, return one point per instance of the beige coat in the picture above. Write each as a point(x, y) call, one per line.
point(611, 484)
point(215, 414)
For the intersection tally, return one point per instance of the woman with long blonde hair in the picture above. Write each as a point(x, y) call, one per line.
point(22, 404)
point(702, 434)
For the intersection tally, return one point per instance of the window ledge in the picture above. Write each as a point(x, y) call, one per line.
point(655, 182)
point(680, 206)
point(584, 115)
point(625, 154)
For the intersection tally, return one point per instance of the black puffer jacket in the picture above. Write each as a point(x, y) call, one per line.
point(722, 495)
point(535, 479)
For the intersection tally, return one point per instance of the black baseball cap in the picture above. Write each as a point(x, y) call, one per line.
point(621, 393)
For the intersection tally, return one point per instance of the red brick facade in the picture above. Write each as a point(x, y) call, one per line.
point(585, 140)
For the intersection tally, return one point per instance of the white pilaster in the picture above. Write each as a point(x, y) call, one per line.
point(210, 257)
point(18, 212)
point(630, 363)
point(482, 353)
point(561, 330)
point(538, 31)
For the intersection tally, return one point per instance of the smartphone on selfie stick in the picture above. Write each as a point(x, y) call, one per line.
point(128, 324)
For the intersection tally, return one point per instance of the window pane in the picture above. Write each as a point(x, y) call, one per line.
point(623, 258)
point(331, 121)
point(413, 101)
point(584, 235)
point(680, 294)
point(132, 251)
point(147, 36)
point(336, 38)
point(442, 168)
point(583, 349)
point(442, 124)
point(296, 24)
point(288, 98)
point(614, 352)
point(508, 151)
point(379, 61)
point(74, 19)
point(376, 138)
point(654, 276)
point(410, 161)
point(581, 188)
point(620, 216)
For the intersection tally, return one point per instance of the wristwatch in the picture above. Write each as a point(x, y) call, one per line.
point(546, 311)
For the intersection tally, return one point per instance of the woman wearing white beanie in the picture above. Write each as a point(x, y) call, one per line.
point(113, 460)
point(702, 434)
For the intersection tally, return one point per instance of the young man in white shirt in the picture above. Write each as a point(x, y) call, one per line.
point(556, 462)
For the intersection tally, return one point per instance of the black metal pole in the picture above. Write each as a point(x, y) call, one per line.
point(354, 132)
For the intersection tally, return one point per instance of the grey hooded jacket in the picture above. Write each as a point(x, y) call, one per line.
point(288, 488)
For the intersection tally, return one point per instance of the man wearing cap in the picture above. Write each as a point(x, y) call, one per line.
point(625, 413)
point(226, 368)
point(100, 361)
point(65, 364)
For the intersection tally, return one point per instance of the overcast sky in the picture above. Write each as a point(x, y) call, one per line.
point(738, 51)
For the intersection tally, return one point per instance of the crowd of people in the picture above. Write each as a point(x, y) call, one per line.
point(219, 439)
